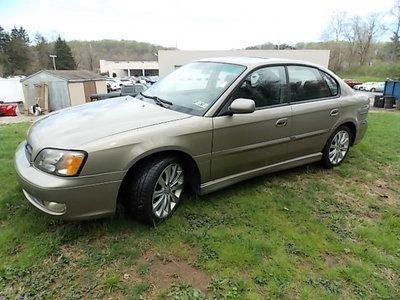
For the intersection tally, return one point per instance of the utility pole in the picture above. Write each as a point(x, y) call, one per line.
point(54, 60)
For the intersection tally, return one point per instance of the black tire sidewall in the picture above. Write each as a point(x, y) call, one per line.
point(325, 153)
point(140, 200)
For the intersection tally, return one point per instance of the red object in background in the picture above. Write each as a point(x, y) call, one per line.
point(8, 110)
point(351, 83)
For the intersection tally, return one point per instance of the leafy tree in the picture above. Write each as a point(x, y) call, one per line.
point(65, 59)
point(4, 40)
point(17, 52)
point(42, 52)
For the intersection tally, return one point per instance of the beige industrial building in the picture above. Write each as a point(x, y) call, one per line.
point(128, 68)
point(169, 60)
point(56, 89)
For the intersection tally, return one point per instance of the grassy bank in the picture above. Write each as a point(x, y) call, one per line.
point(306, 233)
point(372, 73)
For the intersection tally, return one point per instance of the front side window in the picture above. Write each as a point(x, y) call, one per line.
point(194, 87)
point(307, 83)
point(266, 86)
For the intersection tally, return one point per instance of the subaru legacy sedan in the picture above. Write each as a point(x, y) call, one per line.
point(206, 126)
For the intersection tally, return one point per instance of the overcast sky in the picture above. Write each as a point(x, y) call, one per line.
point(190, 24)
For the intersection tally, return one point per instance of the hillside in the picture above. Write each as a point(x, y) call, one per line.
point(88, 53)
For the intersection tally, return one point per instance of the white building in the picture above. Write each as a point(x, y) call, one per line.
point(169, 60)
point(11, 90)
point(128, 68)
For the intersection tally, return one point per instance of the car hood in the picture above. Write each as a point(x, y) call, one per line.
point(72, 127)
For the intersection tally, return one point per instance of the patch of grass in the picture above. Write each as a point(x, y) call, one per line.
point(112, 282)
point(184, 291)
point(304, 233)
point(138, 290)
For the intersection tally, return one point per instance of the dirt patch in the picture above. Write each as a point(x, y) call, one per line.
point(165, 270)
point(73, 253)
point(385, 191)
point(390, 276)
point(333, 261)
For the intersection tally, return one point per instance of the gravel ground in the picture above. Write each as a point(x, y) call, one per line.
point(17, 119)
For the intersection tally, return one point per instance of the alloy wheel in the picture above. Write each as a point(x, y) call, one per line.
point(168, 190)
point(339, 147)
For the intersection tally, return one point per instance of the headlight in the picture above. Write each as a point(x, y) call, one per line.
point(60, 162)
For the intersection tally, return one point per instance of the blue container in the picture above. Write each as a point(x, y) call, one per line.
point(392, 88)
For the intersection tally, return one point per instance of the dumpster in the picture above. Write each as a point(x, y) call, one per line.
point(392, 89)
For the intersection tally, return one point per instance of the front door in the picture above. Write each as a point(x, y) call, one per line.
point(244, 142)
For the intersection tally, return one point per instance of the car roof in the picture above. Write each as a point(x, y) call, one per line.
point(254, 61)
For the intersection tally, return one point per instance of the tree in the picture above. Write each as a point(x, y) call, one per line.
point(4, 40)
point(65, 59)
point(395, 29)
point(17, 52)
point(368, 31)
point(42, 52)
point(336, 27)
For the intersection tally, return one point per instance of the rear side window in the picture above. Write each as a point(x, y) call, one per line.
point(332, 84)
point(307, 83)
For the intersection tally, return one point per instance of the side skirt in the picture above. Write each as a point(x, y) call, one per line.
point(220, 183)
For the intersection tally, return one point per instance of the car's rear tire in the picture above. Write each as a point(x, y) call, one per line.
point(337, 147)
point(156, 189)
point(373, 90)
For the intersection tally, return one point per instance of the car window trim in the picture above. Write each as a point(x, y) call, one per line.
point(218, 113)
point(310, 100)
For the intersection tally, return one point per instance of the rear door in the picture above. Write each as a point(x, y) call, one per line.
point(315, 109)
point(244, 142)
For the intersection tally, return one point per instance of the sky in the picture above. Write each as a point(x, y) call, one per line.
point(189, 25)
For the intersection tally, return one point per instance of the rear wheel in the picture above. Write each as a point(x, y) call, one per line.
point(337, 147)
point(156, 190)
point(373, 90)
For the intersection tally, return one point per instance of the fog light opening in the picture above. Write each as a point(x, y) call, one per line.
point(55, 206)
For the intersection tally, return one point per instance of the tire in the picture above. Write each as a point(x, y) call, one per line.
point(372, 90)
point(333, 153)
point(147, 200)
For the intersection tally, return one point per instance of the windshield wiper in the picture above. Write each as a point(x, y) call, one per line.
point(157, 100)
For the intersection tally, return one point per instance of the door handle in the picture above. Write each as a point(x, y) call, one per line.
point(281, 122)
point(334, 112)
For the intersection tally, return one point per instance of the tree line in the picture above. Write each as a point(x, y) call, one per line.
point(21, 56)
point(18, 57)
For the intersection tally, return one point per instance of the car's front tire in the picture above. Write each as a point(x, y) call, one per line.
point(373, 90)
point(156, 189)
point(337, 147)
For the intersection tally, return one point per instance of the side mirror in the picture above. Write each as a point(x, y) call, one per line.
point(242, 106)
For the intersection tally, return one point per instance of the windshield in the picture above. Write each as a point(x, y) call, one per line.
point(194, 87)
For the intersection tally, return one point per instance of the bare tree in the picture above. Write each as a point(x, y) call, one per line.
point(336, 27)
point(351, 32)
point(395, 29)
point(371, 28)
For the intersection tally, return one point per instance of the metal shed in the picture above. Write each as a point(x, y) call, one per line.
point(57, 89)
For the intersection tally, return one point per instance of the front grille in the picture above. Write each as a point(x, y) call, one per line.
point(28, 152)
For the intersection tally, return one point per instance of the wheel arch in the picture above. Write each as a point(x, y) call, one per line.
point(353, 130)
point(189, 164)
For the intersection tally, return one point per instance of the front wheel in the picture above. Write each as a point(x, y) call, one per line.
point(156, 190)
point(373, 90)
point(337, 147)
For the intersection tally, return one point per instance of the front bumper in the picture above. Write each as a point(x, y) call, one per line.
point(70, 198)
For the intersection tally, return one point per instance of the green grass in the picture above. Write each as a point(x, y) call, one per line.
point(306, 233)
point(367, 73)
